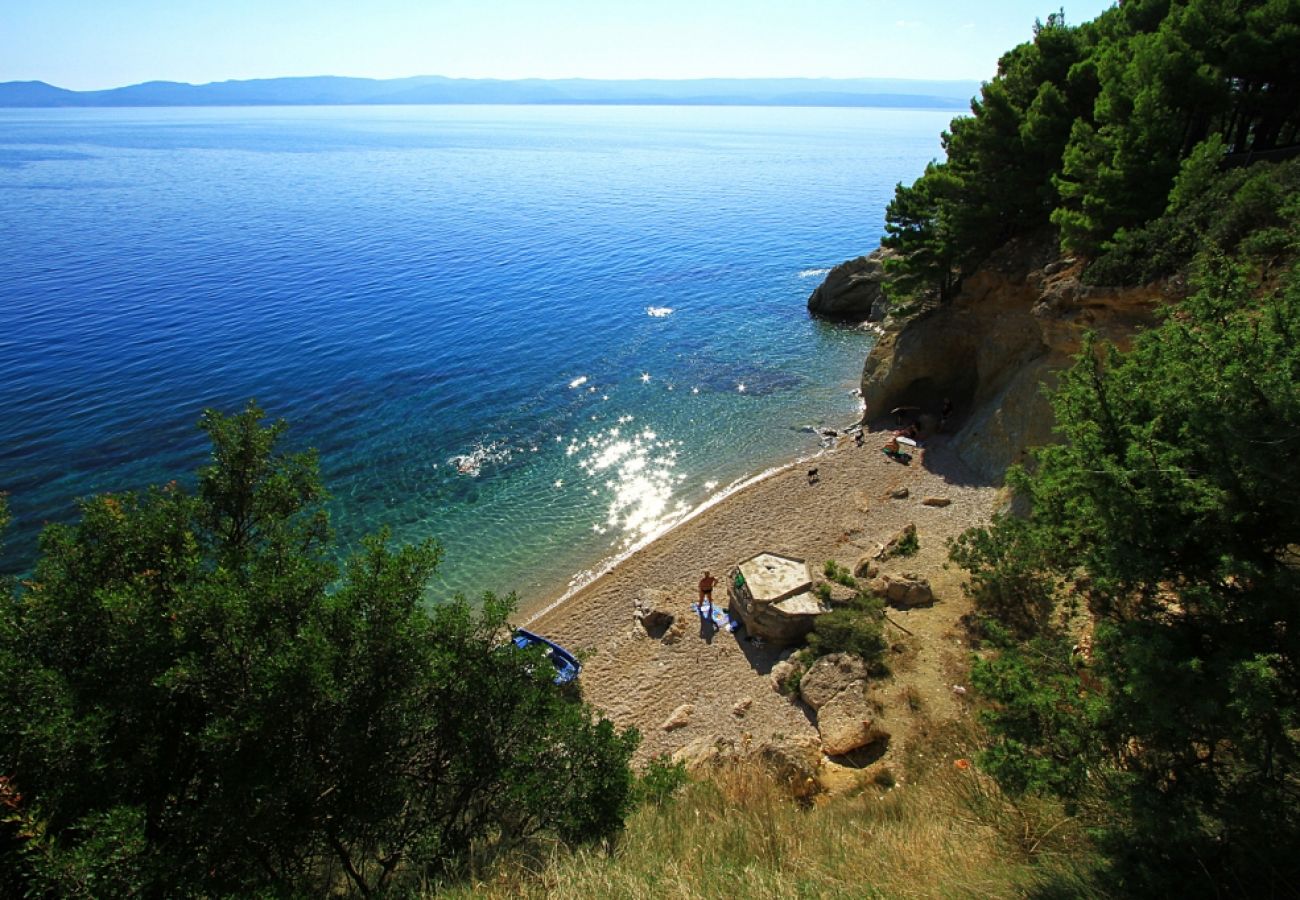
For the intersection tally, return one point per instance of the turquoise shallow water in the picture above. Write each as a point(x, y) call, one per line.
point(538, 334)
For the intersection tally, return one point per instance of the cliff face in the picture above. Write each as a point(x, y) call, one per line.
point(1016, 324)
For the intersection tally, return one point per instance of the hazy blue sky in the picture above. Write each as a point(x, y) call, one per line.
point(86, 44)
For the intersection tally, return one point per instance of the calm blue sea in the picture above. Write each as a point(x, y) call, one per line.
point(538, 334)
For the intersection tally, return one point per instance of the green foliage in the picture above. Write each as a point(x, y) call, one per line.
point(997, 181)
point(1171, 498)
point(908, 545)
point(1084, 130)
point(198, 703)
point(1044, 719)
point(1009, 579)
point(855, 628)
point(660, 781)
point(1252, 213)
point(839, 574)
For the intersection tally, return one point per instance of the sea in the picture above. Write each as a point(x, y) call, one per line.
point(540, 335)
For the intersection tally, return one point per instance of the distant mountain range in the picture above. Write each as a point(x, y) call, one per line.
point(336, 91)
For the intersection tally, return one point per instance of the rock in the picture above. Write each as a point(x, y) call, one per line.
point(853, 290)
point(840, 595)
point(675, 633)
point(848, 721)
point(936, 501)
point(830, 675)
point(866, 568)
point(742, 706)
point(903, 591)
point(705, 752)
point(795, 761)
point(900, 494)
point(784, 672)
point(650, 609)
point(680, 717)
point(906, 534)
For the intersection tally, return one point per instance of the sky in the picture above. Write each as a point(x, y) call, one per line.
point(94, 44)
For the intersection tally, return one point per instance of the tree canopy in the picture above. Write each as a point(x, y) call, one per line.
point(1084, 129)
point(1171, 510)
point(195, 700)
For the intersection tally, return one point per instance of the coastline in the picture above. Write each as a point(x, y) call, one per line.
point(642, 681)
point(588, 578)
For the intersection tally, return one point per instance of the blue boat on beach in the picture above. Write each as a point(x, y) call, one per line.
point(566, 666)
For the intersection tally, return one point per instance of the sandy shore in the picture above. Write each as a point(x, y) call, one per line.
point(639, 680)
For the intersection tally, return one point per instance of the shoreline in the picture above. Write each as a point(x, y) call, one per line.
point(531, 612)
point(718, 682)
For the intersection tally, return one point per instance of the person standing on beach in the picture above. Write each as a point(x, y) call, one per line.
point(706, 591)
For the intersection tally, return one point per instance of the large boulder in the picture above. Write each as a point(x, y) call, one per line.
point(853, 290)
point(794, 760)
point(903, 591)
point(848, 721)
point(829, 676)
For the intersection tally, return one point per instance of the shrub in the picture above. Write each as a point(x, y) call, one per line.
point(197, 703)
point(856, 629)
point(1009, 581)
point(660, 780)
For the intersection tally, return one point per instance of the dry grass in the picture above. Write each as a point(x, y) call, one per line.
point(739, 834)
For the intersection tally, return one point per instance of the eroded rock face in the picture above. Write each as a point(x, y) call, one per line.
point(1015, 325)
point(829, 676)
point(852, 291)
point(848, 721)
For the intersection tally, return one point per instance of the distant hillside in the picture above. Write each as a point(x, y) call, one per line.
point(329, 90)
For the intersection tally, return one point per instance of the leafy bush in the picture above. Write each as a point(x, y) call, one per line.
point(1171, 494)
point(839, 574)
point(856, 628)
point(660, 780)
point(1253, 212)
point(908, 545)
point(1010, 581)
point(197, 703)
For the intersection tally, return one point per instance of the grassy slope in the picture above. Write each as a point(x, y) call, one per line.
point(949, 834)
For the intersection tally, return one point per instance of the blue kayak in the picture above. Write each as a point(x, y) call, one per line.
point(566, 667)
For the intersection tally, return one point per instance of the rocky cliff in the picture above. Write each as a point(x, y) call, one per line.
point(1016, 323)
point(853, 290)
